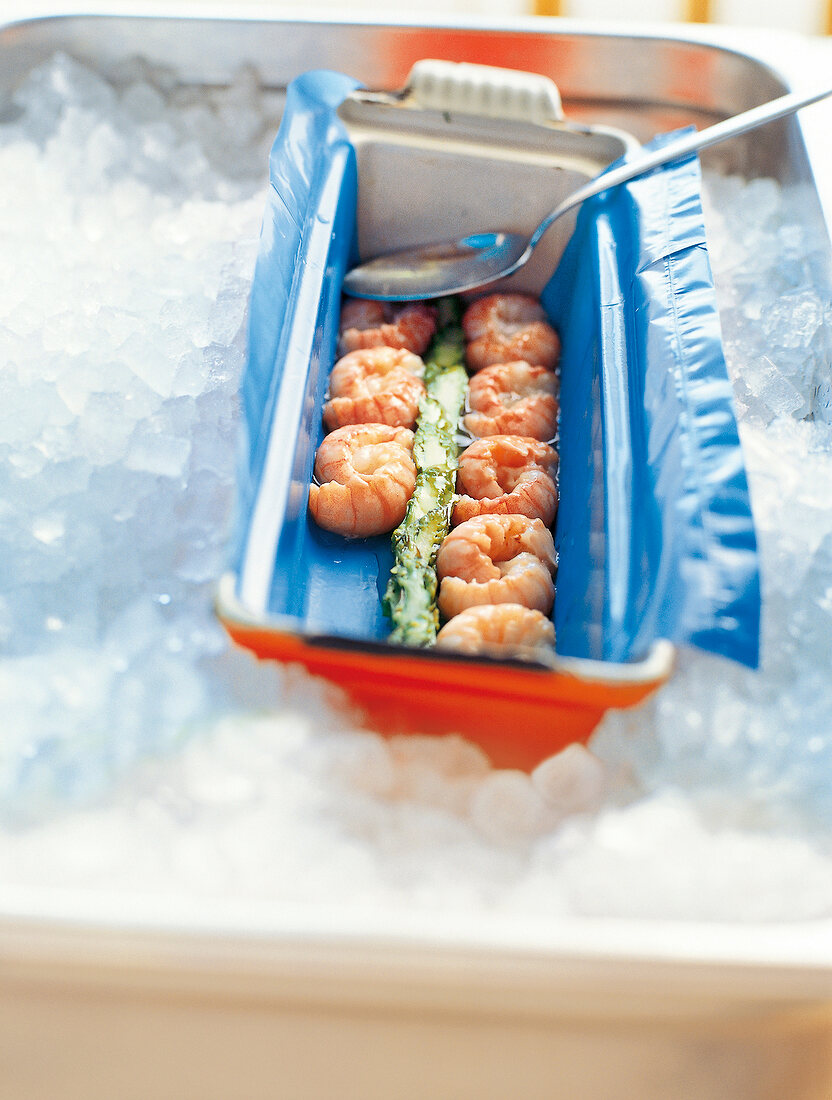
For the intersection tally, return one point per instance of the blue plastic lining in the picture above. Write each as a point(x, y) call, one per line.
point(286, 564)
point(654, 532)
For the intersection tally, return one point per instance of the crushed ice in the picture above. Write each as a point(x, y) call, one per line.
point(140, 752)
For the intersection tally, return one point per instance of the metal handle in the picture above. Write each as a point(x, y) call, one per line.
point(676, 150)
point(484, 90)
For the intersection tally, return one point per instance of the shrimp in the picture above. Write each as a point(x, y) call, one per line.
point(369, 324)
point(507, 474)
point(513, 398)
point(375, 385)
point(503, 327)
point(366, 477)
point(496, 559)
point(506, 629)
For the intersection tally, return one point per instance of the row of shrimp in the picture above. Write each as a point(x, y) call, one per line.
point(496, 567)
point(364, 469)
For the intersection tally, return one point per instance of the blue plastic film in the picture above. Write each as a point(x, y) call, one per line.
point(655, 532)
point(307, 231)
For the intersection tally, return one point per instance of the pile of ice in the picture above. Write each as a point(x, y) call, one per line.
point(128, 250)
point(140, 752)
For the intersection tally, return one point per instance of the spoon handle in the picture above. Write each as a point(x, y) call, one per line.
point(676, 150)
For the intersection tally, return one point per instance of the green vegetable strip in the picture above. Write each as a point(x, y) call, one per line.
point(410, 600)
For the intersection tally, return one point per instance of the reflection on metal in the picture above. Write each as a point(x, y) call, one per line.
point(698, 11)
point(693, 11)
point(547, 7)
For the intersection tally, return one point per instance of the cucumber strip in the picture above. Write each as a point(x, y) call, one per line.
point(410, 599)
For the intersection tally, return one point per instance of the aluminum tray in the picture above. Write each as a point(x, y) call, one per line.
point(104, 996)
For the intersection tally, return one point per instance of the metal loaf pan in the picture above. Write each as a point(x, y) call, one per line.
point(139, 998)
point(463, 148)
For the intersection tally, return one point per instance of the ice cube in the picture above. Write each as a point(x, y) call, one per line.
point(571, 781)
point(508, 808)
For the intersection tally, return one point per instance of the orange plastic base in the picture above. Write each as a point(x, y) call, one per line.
point(518, 716)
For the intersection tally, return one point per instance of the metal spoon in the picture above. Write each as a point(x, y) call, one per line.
point(450, 267)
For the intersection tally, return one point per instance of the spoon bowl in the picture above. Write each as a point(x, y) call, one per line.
point(431, 270)
point(477, 259)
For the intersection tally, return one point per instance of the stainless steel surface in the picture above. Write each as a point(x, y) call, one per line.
point(644, 82)
point(452, 267)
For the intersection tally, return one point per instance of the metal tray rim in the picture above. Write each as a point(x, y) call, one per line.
point(655, 666)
